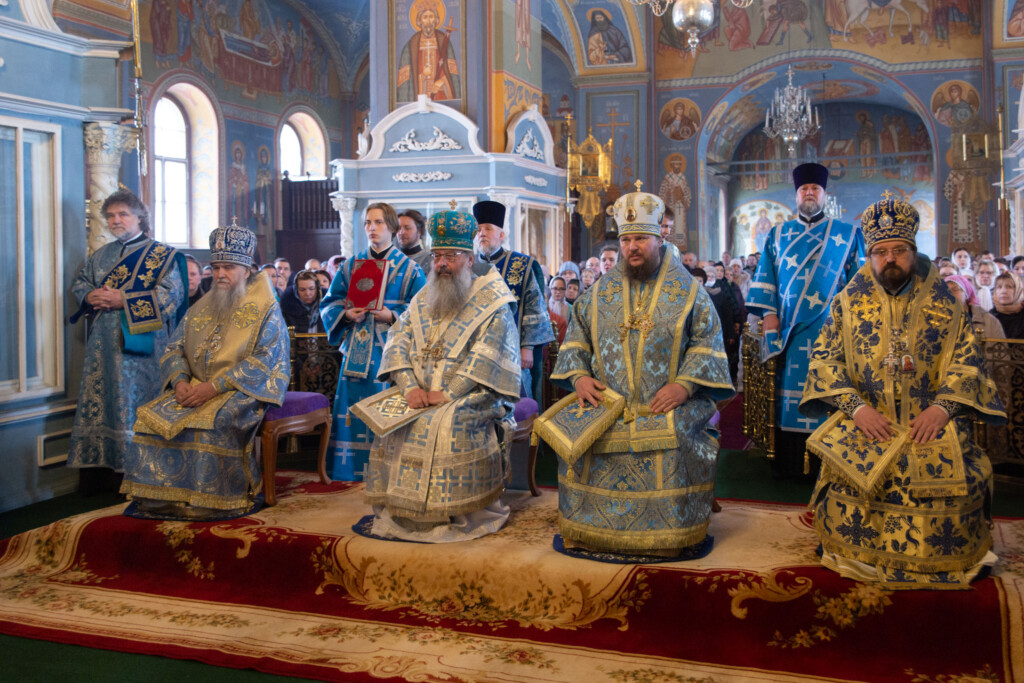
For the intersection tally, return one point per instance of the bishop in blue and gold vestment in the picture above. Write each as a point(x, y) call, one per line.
point(361, 334)
point(806, 261)
point(454, 353)
point(193, 455)
point(903, 493)
point(648, 331)
point(132, 292)
point(525, 279)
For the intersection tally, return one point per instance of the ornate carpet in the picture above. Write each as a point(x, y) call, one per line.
point(293, 590)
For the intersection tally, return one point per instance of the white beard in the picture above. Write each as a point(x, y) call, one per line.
point(223, 302)
point(447, 295)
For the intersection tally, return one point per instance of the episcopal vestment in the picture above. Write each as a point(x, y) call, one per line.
point(361, 347)
point(802, 268)
point(121, 369)
point(205, 456)
point(449, 461)
point(905, 514)
point(647, 483)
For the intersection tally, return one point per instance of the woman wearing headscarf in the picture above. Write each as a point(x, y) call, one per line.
point(984, 322)
point(556, 298)
point(1007, 296)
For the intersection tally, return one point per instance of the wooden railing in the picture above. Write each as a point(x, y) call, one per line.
point(306, 204)
point(1005, 445)
point(758, 393)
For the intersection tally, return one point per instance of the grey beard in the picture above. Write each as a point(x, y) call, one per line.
point(447, 295)
point(223, 302)
point(814, 209)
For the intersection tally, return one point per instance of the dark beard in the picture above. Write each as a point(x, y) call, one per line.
point(447, 295)
point(642, 273)
point(893, 277)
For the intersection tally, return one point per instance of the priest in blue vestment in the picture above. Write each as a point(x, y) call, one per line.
point(806, 261)
point(648, 331)
point(194, 456)
point(523, 275)
point(361, 334)
point(132, 292)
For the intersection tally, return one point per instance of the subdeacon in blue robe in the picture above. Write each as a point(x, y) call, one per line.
point(116, 382)
point(361, 346)
point(803, 266)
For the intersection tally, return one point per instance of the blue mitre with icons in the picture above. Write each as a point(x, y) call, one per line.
point(232, 244)
point(639, 213)
point(889, 219)
point(452, 229)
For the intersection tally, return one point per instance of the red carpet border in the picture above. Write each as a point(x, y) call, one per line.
point(292, 590)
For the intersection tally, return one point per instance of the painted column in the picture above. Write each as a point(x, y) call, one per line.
point(105, 144)
point(346, 208)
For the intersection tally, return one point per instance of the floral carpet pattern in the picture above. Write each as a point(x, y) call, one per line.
point(292, 590)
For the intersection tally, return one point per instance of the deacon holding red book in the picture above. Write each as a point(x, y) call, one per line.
point(365, 299)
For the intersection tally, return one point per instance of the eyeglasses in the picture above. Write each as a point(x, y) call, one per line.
point(446, 256)
point(897, 252)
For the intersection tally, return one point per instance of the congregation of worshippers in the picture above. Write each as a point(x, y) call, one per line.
point(443, 332)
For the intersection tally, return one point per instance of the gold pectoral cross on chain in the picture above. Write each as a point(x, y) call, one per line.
point(637, 321)
point(433, 353)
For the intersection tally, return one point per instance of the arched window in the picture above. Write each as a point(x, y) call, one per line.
point(303, 146)
point(184, 166)
point(291, 151)
point(171, 190)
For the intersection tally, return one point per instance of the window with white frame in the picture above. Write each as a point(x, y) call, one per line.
point(291, 151)
point(171, 199)
point(184, 166)
point(31, 312)
point(302, 146)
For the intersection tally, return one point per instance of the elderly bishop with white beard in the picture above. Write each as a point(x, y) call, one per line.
point(454, 357)
point(193, 455)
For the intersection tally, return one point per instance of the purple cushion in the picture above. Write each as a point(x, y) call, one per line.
point(715, 419)
point(525, 408)
point(297, 403)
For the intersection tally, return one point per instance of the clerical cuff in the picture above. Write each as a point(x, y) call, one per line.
point(180, 377)
point(951, 408)
point(848, 403)
point(685, 384)
point(405, 380)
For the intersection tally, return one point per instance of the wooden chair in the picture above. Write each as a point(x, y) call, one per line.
point(301, 413)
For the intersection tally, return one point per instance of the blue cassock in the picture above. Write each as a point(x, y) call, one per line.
point(802, 268)
point(361, 347)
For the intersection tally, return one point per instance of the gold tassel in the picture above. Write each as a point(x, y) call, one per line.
point(807, 461)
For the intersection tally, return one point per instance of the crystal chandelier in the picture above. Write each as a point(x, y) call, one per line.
point(833, 209)
point(790, 116)
point(658, 7)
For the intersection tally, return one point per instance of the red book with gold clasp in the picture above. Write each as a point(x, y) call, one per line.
point(368, 284)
